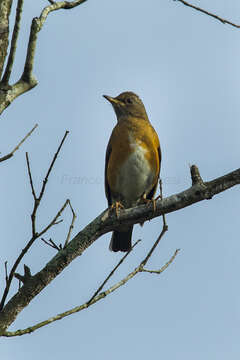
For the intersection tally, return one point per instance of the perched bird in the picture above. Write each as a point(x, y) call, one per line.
point(133, 159)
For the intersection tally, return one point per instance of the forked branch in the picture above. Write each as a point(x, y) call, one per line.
point(27, 80)
point(35, 234)
point(95, 298)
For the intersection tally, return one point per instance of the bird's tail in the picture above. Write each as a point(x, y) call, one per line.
point(121, 240)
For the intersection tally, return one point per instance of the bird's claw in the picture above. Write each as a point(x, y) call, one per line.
point(116, 206)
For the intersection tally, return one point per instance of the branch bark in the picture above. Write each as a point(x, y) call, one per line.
point(105, 223)
point(11, 56)
point(5, 9)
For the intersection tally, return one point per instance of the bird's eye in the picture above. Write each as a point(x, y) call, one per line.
point(129, 101)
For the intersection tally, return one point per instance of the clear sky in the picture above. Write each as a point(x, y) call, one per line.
point(185, 67)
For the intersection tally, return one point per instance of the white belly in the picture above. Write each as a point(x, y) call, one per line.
point(136, 177)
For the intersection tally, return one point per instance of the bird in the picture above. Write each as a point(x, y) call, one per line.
point(132, 162)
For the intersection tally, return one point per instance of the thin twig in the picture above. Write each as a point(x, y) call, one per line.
point(6, 273)
point(51, 166)
point(164, 266)
point(13, 47)
point(54, 219)
point(72, 224)
point(112, 272)
point(55, 222)
point(223, 21)
point(30, 177)
point(38, 199)
point(58, 222)
point(8, 156)
point(12, 272)
point(22, 141)
point(164, 229)
point(161, 194)
point(52, 244)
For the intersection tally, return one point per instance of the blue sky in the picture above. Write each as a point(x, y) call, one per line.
point(185, 67)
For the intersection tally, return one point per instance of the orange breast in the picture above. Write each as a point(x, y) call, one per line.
point(134, 153)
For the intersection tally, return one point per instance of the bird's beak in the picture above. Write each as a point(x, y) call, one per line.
point(112, 100)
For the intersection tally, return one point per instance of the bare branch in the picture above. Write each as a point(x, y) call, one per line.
point(51, 166)
point(10, 93)
point(30, 177)
point(164, 266)
point(35, 235)
point(103, 224)
point(95, 298)
point(37, 24)
point(53, 222)
point(6, 272)
point(37, 200)
point(164, 229)
point(13, 47)
point(224, 21)
point(12, 272)
point(5, 9)
point(52, 244)
point(6, 157)
point(112, 272)
point(28, 81)
point(72, 224)
point(58, 222)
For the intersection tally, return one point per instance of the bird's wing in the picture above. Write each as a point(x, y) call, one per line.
point(151, 194)
point(107, 188)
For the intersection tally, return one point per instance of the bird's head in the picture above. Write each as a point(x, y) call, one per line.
point(127, 104)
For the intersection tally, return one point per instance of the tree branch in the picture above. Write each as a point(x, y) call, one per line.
point(103, 224)
point(71, 225)
point(164, 266)
point(38, 199)
point(5, 9)
point(224, 21)
point(28, 80)
point(111, 273)
point(35, 234)
point(37, 24)
point(51, 167)
point(11, 56)
point(8, 156)
point(52, 244)
point(95, 298)
point(53, 221)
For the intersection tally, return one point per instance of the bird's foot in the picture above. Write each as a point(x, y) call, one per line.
point(151, 201)
point(116, 207)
